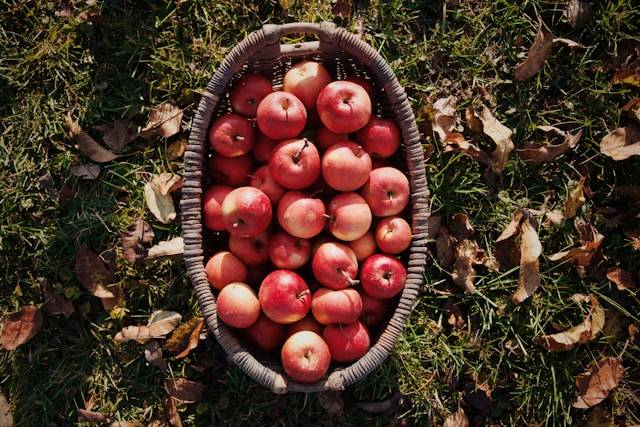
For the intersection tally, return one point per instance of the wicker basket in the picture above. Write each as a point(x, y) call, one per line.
point(342, 53)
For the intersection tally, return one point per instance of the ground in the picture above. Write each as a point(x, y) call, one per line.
point(124, 58)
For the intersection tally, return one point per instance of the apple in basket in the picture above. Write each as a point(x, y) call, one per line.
point(246, 94)
point(295, 163)
point(262, 180)
point(246, 212)
point(212, 206)
point(346, 166)
point(305, 80)
point(305, 357)
point(233, 171)
point(363, 247)
point(238, 305)
point(349, 216)
point(284, 296)
point(335, 266)
point(382, 276)
point(308, 323)
point(265, 334)
point(281, 115)
point(344, 107)
point(252, 250)
point(347, 342)
point(263, 148)
point(224, 268)
point(289, 252)
point(336, 306)
point(386, 191)
point(380, 137)
point(374, 310)
point(324, 138)
point(232, 135)
point(393, 235)
point(301, 215)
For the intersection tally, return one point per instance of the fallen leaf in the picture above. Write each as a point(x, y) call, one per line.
point(86, 144)
point(153, 355)
point(126, 424)
point(165, 183)
point(114, 302)
point(455, 316)
point(165, 249)
point(20, 326)
point(6, 417)
point(632, 109)
point(626, 77)
point(65, 12)
point(443, 121)
point(185, 338)
point(469, 149)
point(119, 135)
point(633, 332)
point(575, 200)
point(530, 251)
point(538, 153)
point(433, 225)
point(161, 206)
point(160, 324)
point(554, 217)
point(286, 4)
point(623, 279)
point(594, 386)
point(134, 239)
point(538, 53)
point(183, 390)
point(48, 184)
point(580, 334)
point(86, 416)
point(457, 419)
point(467, 254)
point(473, 122)
point(176, 150)
point(86, 171)
point(614, 328)
point(332, 403)
point(171, 412)
point(445, 244)
point(461, 227)
point(501, 135)
point(55, 304)
point(569, 43)
point(634, 235)
point(92, 273)
point(386, 407)
point(506, 248)
point(578, 12)
point(164, 120)
point(428, 152)
point(591, 241)
point(599, 417)
point(341, 8)
point(622, 143)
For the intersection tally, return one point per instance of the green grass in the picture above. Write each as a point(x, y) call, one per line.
point(141, 55)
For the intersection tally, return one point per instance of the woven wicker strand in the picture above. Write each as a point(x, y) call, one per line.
point(262, 51)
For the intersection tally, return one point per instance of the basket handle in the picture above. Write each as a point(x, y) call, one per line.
point(273, 33)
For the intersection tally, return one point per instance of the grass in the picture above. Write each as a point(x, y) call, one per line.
point(137, 56)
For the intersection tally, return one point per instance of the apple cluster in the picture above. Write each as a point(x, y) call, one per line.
point(325, 267)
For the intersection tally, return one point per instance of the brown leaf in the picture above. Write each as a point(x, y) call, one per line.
point(569, 43)
point(461, 227)
point(443, 120)
point(176, 150)
point(457, 419)
point(20, 326)
point(286, 4)
point(171, 412)
point(467, 254)
point(134, 239)
point(160, 324)
point(594, 386)
point(159, 423)
point(471, 150)
point(626, 77)
point(599, 417)
point(55, 304)
point(538, 153)
point(86, 416)
point(183, 390)
point(164, 120)
point(93, 274)
point(506, 249)
point(332, 403)
point(575, 200)
point(185, 338)
point(116, 301)
point(630, 193)
point(434, 223)
point(614, 326)
point(553, 217)
point(530, 251)
point(455, 315)
point(444, 247)
point(165, 183)
point(578, 12)
point(86, 144)
point(473, 122)
point(580, 334)
point(153, 355)
point(501, 135)
point(341, 8)
point(6, 417)
point(126, 424)
point(87, 171)
point(538, 53)
point(119, 135)
point(632, 109)
point(584, 255)
point(623, 279)
point(386, 407)
point(165, 249)
point(622, 143)
point(160, 205)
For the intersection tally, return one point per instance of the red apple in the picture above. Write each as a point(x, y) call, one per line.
point(295, 163)
point(382, 276)
point(301, 215)
point(212, 206)
point(246, 94)
point(263, 148)
point(336, 306)
point(344, 107)
point(238, 305)
point(308, 323)
point(393, 235)
point(386, 191)
point(363, 247)
point(324, 138)
point(252, 251)
point(305, 80)
point(265, 334)
point(263, 181)
point(289, 252)
point(319, 241)
point(335, 265)
point(233, 171)
point(224, 268)
point(281, 115)
point(231, 135)
point(380, 138)
point(246, 212)
point(349, 216)
point(365, 83)
point(374, 311)
point(305, 357)
point(346, 166)
point(347, 342)
point(284, 296)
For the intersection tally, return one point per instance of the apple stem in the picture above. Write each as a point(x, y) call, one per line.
point(238, 138)
point(296, 158)
point(329, 217)
point(352, 282)
point(237, 224)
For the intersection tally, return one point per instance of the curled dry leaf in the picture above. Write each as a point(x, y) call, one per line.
point(93, 274)
point(626, 77)
point(575, 200)
point(622, 143)
point(134, 239)
point(153, 355)
point(584, 255)
point(506, 249)
point(119, 135)
point(171, 412)
point(632, 109)
point(530, 251)
point(54, 304)
point(166, 182)
point(160, 324)
point(176, 150)
point(433, 225)
point(580, 334)
point(553, 217)
point(341, 8)
point(443, 121)
point(386, 407)
point(86, 171)
point(623, 279)
point(455, 315)
point(578, 12)
point(457, 419)
point(332, 403)
point(501, 135)
point(160, 205)
point(471, 150)
point(20, 326)
point(86, 416)
point(185, 338)
point(86, 144)
point(461, 227)
point(6, 417)
point(473, 122)
point(538, 153)
point(595, 385)
point(166, 249)
point(467, 254)
point(116, 301)
point(538, 53)
point(444, 247)
point(569, 43)
point(286, 4)
point(183, 390)
point(164, 120)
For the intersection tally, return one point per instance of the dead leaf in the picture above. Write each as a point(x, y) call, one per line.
point(591, 241)
point(87, 171)
point(594, 386)
point(126, 424)
point(160, 324)
point(501, 135)
point(443, 120)
point(433, 225)
point(116, 301)
point(166, 249)
point(530, 251)
point(185, 338)
point(622, 143)
point(165, 183)
point(633, 332)
point(55, 304)
point(569, 43)
point(599, 417)
point(471, 150)
point(580, 334)
point(578, 12)
point(65, 12)
point(538, 53)
point(623, 279)
point(86, 144)
point(553, 217)
point(455, 315)
point(473, 122)
point(467, 254)
point(626, 77)
point(134, 239)
point(93, 274)
point(461, 227)
point(183, 390)
point(457, 419)
point(161, 206)
point(86, 416)
point(632, 109)
point(176, 150)
point(171, 412)
point(48, 184)
point(575, 200)
point(119, 135)
point(20, 326)
point(6, 417)
point(153, 355)
point(341, 8)
point(538, 153)
point(164, 120)
point(386, 407)
point(614, 326)
point(332, 403)
point(445, 244)
point(506, 249)
point(286, 4)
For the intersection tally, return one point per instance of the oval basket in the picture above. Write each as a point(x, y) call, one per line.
point(342, 53)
